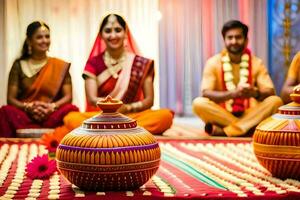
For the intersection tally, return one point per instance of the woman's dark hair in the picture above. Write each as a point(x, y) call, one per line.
point(232, 24)
point(31, 29)
point(119, 19)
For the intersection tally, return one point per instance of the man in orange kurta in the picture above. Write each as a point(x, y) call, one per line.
point(292, 80)
point(237, 90)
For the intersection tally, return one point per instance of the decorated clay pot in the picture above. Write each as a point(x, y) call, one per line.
point(276, 140)
point(108, 152)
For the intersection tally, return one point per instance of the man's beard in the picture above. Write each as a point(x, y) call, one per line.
point(235, 50)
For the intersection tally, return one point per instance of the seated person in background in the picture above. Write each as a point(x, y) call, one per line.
point(114, 69)
point(39, 87)
point(292, 80)
point(237, 90)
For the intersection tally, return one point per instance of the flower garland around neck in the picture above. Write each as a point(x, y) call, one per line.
point(114, 65)
point(232, 104)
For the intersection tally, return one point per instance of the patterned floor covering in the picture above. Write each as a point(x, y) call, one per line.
point(189, 169)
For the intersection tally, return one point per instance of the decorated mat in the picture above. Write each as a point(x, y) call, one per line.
point(190, 169)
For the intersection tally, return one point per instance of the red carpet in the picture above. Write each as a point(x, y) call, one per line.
point(190, 169)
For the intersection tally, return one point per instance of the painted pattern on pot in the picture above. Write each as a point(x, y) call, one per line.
point(276, 140)
point(108, 152)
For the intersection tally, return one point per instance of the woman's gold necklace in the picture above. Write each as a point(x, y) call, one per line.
point(114, 65)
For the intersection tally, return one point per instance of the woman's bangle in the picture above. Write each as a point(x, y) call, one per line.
point(128, 108)
point(136, 106)
point(27, 106)
point(53, 106)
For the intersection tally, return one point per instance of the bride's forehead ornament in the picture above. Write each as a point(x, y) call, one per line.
point(112, 19)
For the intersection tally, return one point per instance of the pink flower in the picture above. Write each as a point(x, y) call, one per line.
point(40, 167)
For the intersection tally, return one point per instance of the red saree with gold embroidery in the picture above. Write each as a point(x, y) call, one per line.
point(128, 87)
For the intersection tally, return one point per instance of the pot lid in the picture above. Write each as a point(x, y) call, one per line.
point(292, 108)
point(109, 118)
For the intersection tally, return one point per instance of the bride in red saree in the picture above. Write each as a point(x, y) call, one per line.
point(114, 68)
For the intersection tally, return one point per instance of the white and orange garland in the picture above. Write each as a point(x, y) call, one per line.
point(245, 73)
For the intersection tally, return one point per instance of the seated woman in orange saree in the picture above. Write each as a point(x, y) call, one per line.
point(114, 69)
point(39, 87)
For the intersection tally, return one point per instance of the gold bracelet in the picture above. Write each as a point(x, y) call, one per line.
point(129, 108)
point(27, 105)
point(136, 106)
point(53, 106)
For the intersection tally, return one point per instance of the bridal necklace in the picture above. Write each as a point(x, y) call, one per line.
point(114, 65)
point(31, 67)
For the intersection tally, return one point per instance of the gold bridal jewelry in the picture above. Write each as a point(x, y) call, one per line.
point(30, 67)
point(228, 75)
point(43, 26)
point(112, 19)
point(114, 65)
